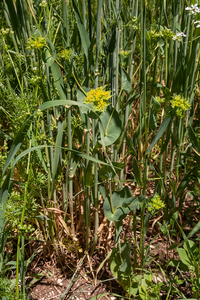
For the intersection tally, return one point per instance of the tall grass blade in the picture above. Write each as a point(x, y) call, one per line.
point(160, 132)
point(83, 33)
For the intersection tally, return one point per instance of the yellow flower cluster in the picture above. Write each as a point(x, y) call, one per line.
point(167, 33)
point(66, 53)
point(36, 42)
point(181, 105)
point(155, 203)
point(98, 98)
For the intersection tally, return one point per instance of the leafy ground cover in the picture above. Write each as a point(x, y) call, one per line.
point(100, 149)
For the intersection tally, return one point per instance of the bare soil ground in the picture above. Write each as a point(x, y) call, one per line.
point(81, 288)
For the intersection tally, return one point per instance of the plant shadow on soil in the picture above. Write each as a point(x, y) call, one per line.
point(83, 288)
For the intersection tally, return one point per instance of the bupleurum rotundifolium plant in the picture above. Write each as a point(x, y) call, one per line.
point(99, 98)
point(180, 104)
point(154, 204)
point(36, 42)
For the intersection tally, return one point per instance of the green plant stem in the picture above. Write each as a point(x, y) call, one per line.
point(22, 273)
point(110, 190)
point(142, 235)
point(68, 174)
point(70, 171)
point(87, 199)
point(94, 127)
point(180, 139)
point(143, 82)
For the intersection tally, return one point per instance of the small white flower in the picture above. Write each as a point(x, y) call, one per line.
point(178, 36)
point(198, 24)
point(34, 68)
point(193, 9)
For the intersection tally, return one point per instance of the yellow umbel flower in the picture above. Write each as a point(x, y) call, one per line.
point(36, 42)
point(98, 98)
point(180, 104)
point(66, 53)
point(155, 203)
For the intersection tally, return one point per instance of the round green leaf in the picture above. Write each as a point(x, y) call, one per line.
point(111, 127)
point(123, 202)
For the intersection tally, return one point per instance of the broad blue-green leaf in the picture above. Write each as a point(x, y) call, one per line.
point(121, 263)
point(119, 198)
point(121, 267)
point(111, 127)
point(160, 132)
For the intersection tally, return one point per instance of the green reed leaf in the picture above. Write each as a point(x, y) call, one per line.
point(160, 132)
point(83, 33)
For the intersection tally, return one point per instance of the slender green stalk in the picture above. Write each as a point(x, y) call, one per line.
point(110, 191)
point(142, 238)
point(94, 126)
point(87, 199)
point(21, 237)
point(69, 128)
point(143, 96)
